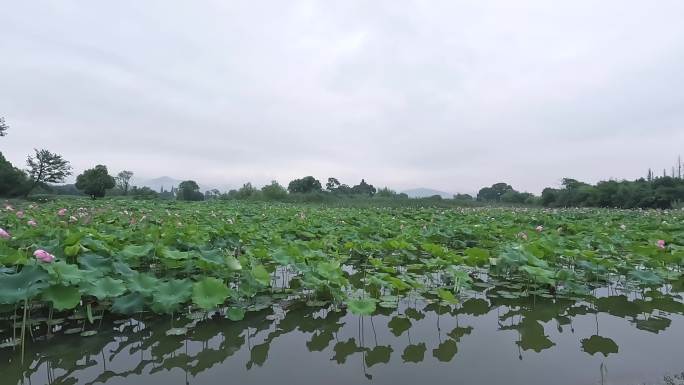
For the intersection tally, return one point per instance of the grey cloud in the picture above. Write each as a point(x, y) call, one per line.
point(449, 95)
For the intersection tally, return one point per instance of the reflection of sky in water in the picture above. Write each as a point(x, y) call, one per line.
point(617, 339)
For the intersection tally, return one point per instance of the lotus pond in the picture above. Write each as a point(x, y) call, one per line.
point(123, 292)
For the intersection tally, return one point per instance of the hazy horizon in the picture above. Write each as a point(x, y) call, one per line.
point(451, 96)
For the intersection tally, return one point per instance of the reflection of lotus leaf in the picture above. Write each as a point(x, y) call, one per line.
point(459, 332)
point(446, 351)
point(414, 353)
point(344, 350)
point(378, 355)
point(398, 325)
point(475, 306)
point(597, 344)
point(414, 314)
point(654, 324)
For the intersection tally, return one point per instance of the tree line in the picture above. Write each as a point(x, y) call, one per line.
point(46, 169)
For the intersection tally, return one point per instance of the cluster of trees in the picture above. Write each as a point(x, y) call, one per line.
point(504, 193)
point(45, 168)
point(661, 192)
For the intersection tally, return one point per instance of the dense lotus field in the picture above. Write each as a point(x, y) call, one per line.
point(84, 260)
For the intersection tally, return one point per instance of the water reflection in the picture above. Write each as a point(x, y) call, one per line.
point(416, 333)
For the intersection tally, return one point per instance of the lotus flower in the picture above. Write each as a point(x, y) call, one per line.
point(43, 256)
point(62, 212)
point(539, 228)
point(32, 223)
point(522, 235)
point(623, 227)
point(20, 214)
point(9, 208)
point(660, 244)
point(4, 234)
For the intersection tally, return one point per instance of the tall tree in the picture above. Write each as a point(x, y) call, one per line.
point(3, 127)
point(46, 167)
point(332, 184)
point(189, 191)
point(95, 181)
point(364, 188)
point(12, 179)
point(494, 193)
point(123, 180)
point(308, 184)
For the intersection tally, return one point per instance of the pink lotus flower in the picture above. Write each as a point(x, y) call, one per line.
point(62, 212)
point(522, 235)
point(539, 228)
point(20, 214)
point(4, 234)
point(43, 256)
point(32, 223)
point(660, 244)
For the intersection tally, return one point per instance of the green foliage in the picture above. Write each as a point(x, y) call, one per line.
point(362, 306)
point(46, 167)
point(305, 185)
point(3, 127)
point(237, 254)
point(494, 193)
point(13, 181)
point(123, 180)
point(95, 182)
point(143, 193)
point(663, 192)
point(189, 191)
point(274, 192)
point(209, 293)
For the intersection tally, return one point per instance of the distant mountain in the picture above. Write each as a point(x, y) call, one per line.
point(157, 183)
point(426, 192)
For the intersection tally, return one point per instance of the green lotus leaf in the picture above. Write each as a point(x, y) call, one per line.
point(136, 251)
point(235, 314)
point(447, 296)
point(176, 255)
point(233, 264)
point(105, 287)
point(362, 306)
point(260, 275)
point(646, 277)
point(209, 293)
point(62, 297)
point(129, 304)
point(170, 295)
point(142, 283)
point(65, 273)
point(25, 284)
point(96, 265)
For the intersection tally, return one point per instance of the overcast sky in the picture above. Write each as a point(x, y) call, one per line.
point(449, 95)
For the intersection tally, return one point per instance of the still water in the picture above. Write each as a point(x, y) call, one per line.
point(621, 337)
